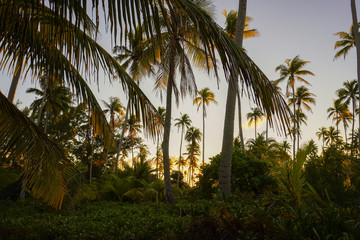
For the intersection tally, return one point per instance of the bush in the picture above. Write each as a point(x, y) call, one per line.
point(248, 174)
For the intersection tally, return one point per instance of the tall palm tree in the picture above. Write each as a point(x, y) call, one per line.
point(193, 136)
point(254, 116)
point(333, 136)
point(339, 113)
point(321, 134)
point(133, 128)
point(302, 98)
point(114, 106)
point(350, 93)
point(230, 29)
point(54, 99)
point(182, 122)
point(205, 97)
point(137, 57)
point(357, 46)
point(293, 71)
point(162, 114)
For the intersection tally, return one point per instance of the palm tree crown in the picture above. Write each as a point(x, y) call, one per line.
point(346, 42)
point(254, 116)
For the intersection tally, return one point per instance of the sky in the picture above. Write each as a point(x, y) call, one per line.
point(287, 28)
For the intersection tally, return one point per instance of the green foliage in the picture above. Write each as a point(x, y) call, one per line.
point(248, 174)
point(326, 174)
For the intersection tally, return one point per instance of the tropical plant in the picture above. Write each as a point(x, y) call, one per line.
point(113, 107)
point(357, 44)
point(254, 116)
point(230, 29)
point(302, 97)
point(133, 127)
point(205, 96)
point(293, 71)
point(346, 42)
point(339, 113)
point(182, 122)
point(350, 93)
point(193, 136)
point(321, 134)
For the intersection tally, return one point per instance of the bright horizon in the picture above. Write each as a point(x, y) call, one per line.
point(287, 28)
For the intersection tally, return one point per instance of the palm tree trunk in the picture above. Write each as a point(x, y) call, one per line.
point(166, 159)
point(241, 135)
point(255, 127)
point(352, 129)
point(228, 136)
point(203, 152)
point(267, 128)
point(298, 129)
point(294, 128)
point(121, 138)
point(345, 133)
point(178, 177)
point(15, 79)
point(357, 45)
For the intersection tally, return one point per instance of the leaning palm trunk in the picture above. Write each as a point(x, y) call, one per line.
point(298, 128)
point(228, 136)
point(121, 137)
point(166, 159)
point(357, 45)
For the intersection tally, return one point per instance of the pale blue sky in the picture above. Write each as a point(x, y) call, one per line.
point(287, 28)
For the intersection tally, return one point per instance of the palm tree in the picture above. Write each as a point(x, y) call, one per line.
point(161, 112)
point(230, 29)
point(205, 96)
point(301, 98)
point(114, 106)
point(254, 116)
point(183, 122)
point(332, 136)
point(339, 112)
point(357, 46)
point(321, 134)
point(346, 42)
point(55, 45)
point(293, 71)
point(349, 93)
point(231, 19)
point(133, 128)
point(193, 136)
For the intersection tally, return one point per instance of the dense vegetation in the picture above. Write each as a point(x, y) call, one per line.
point(70, 169)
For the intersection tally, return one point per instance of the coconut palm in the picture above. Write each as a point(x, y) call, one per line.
point(350, 93)
point(357, 46)
point(55, 44)
point(321, 134)
point(254, 116)
point(205, 97)
point(182, 122)
point(114, 106)
point(193, 136)
point(302, 98)
point(162, 114)
point(230, 29)
point(53, 100)
point(338, 113)
point(333, 136)
point(231, 19)
point(346, 42)
point(133, 127)
point(293, 71)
